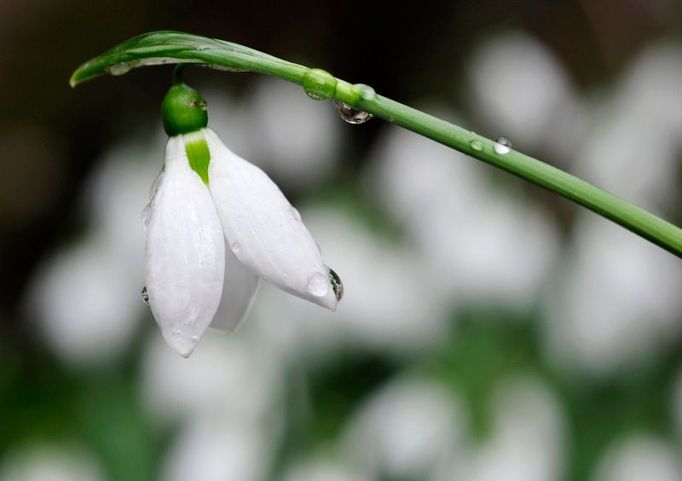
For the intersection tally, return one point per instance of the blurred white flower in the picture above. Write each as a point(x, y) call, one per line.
point(84, 304)
point(113, 197)
point(49, 463)
point(190, 216)
point(651, 88)
point(480, 245)
point(212, 450)
point(325, 469)
point(296, 140)
point(527, 439)
point(616, 303)
point(640, 458)
point(85, 298)
point(519, 86)
point(638, 129)
point(234, 377)
point(406, 430)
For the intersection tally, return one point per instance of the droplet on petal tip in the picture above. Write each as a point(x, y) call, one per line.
point(184, 351)
point(181, 342)
point(337, 285)
point(318, 285)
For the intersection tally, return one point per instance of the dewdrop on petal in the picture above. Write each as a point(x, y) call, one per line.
point(218, 221)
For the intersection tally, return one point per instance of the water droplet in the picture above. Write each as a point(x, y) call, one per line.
point(235, 248)
point(145, 295)
point(295, 214)
point(365, 92)
point(319, 84)
point(502, 146)
point(350, 114)
point(146, 216)
point(318, 285)
point(337, 285)
point(119, 69)
point(195, 338)
point(476, 145)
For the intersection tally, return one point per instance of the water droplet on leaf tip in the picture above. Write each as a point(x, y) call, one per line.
point(318, 285)
point(235, 248)
point(503, 146)
point(145, 295)
point(295, 214)
point(350, 114)
point(337, 285)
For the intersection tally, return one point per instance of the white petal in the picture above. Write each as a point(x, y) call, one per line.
point(239, 292)
point(185, 253)
point(263, 230)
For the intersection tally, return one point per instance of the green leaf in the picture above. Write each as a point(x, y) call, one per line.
point(168, 47)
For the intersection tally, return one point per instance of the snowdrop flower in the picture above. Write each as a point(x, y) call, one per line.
point(215, 225)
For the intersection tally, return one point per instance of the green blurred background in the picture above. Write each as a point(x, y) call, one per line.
point(490, 331)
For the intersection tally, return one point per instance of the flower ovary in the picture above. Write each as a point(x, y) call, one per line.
point(184, 110)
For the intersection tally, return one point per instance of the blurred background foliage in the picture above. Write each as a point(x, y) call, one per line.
point(490, 331)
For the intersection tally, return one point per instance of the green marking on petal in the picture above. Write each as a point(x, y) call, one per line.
point(198, 154)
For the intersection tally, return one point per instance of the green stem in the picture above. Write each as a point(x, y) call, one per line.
point(180, 48)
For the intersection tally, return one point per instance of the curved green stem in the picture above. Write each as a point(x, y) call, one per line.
point(180, 48)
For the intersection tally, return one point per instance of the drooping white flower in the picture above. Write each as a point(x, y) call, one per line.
point(216, 224)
